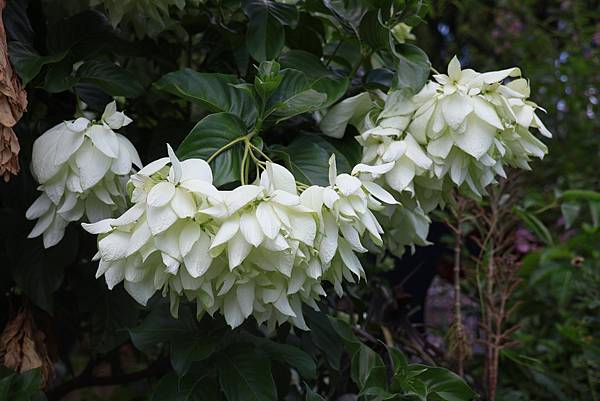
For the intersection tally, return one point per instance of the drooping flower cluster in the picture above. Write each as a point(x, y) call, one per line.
point(261, 249)
point(463, 127)
point(82, 167)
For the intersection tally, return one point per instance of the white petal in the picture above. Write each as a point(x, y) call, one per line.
point(251, 230)
point(350, 259)
point(347, 184)
point(486, 111)
point(38, 207)
point(401, 176)
point(304, 228)
point(283, 305)
point(154, 166)
point(477, 138)
point(92, 165)
point(42, 224)
point(196, 169)
point(139, 238)
point(378, 169)
point(130, 216)
point(455, 109)
point(329, 242)
point(378, 192)
point(189, 235)
point(441, 146)
point(241, 196)
point(454, 69)
point(268, 220)
point(232, 311)
point(141, 291)
point(68, 143)
point(278, 177)
point(100, 227)
point(114, 245)
point(227, 230)
point(104, 139)
point(183, 203)
point(237, 250)
point(160, 218)
point(245, 296)
point(161, 194)
point(198, 260)
point(176, 171)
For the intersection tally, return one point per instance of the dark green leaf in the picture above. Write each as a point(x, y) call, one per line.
point(39, 272)
point(212, 133)
point(293, 356)
point(245, 375)
point(111, 78)
point(324, 336)
point(194, 386)
point(308, 155)
point(160, 327)
point(265, 35)
point(413, 68)
point(21, 387)
point(187, 349)
point(312, 395)
point(28, 62)
point(306, 90)
point(372, 32)
point(115, 312)
point(534, 224)
point(213, 91)
point(367, 368)
point(443, 384)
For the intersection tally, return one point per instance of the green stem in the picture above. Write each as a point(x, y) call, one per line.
point(225, 147)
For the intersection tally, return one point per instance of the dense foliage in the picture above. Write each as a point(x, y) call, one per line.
point(274, 183)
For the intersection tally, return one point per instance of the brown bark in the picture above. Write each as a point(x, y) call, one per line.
point(13, 102)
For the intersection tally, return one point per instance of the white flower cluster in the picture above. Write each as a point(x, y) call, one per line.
point(82, 167)
point(463, 127)
point(261, 250)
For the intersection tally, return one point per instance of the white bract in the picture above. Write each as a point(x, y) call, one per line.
point(259, 250)
point(82, 167)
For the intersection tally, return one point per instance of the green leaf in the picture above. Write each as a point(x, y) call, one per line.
point(192, 387)
point(114, 313)
point(21, 387)
point(215, 92)
point(534, 224)
point(580, 194)
point(245, 375)
point(443, 384)
point(265, 35)
point(371, 31)
point(324, 336)
point(308, 155)
point(187, 349)
point(160, 327)
point(212, 133)
point(306, 90)
point(39, 272)
point(312, 395)
point(367, 368)
point(27, 62)
point(111, 78)
point(570, 211)
point(413, 68)
point(293, 356)
point(59, 77)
